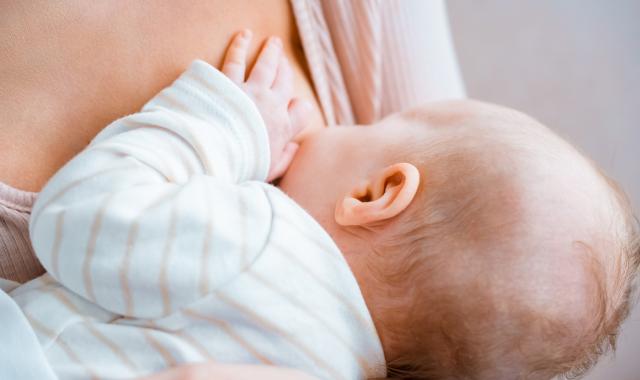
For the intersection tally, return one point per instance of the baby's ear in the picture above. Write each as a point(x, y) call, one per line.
point(381, 197)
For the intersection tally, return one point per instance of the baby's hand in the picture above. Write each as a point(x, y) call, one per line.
point(270, 86)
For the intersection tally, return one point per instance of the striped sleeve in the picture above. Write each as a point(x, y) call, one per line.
point(165, 205)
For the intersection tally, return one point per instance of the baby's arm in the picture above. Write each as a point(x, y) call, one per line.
point(164, 206)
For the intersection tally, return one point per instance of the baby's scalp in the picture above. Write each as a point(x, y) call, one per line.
point(517, 255)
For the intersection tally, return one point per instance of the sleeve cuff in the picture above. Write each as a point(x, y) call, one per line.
point(205, 93)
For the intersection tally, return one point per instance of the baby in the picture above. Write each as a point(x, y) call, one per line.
point(455, 240)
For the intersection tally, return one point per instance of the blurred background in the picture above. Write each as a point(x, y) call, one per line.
point(575, 66)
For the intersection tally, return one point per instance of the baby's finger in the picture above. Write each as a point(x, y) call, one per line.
point(281, 167)
point(283, 84)
point(299, 110)
point(264, 71)
point(235, 61)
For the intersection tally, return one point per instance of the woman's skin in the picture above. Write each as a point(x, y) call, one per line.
point(88, 63)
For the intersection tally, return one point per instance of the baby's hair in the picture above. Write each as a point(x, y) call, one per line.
point(460, 330)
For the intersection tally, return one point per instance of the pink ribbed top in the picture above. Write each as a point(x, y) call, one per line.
point(367, 59)
point(17, 260)
point(371, 58)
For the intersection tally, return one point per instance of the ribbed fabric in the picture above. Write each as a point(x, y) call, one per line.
point(323, 64)
point(371, 58)
point(357, 31)
point(17, 260)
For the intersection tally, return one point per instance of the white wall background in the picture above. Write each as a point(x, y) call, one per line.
point(575, 66)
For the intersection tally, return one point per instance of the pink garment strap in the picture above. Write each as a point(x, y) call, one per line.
point(322, 62)
point(356, 28)
point(372, 58)
point(17, 259)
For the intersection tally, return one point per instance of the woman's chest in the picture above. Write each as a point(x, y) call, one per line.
point(89, 63)
point(178, 32)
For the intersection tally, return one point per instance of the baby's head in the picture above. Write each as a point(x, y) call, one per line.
point(485, 246)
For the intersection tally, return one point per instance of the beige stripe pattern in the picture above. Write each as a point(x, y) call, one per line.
point(74, 357)
point(197, 345)
point(277, 330)
point(206, 245)
point(69, 351)
point(302, 307)
point(169, 360)
point(356, 312)
point(61, 296)
point(164, 264)
point(95, 230)
point(226, 327)
point(55, 250)
point(132, 236)
point(42, 204)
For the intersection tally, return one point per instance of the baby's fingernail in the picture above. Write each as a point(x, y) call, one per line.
point(277, 41)
point(246, 33)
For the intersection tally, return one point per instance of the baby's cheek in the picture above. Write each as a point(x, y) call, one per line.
point(308, 130)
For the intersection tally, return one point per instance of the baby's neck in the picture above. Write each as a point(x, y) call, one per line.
point(375, 293)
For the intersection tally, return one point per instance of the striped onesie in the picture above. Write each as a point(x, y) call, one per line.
point(164, 245)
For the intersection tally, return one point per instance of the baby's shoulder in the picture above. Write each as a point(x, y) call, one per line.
point(292, 222)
